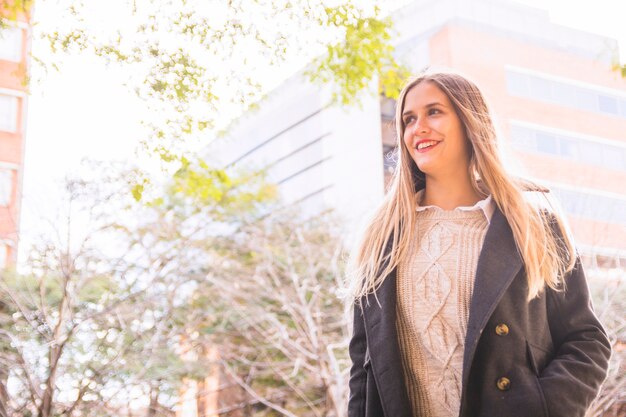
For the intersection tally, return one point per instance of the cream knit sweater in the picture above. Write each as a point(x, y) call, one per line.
point(434, 285)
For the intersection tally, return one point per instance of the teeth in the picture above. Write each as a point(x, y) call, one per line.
point(426, 144)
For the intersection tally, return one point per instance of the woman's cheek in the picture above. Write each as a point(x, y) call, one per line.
point(407, 141)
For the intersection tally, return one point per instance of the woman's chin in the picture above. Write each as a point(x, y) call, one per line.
point(426, 168)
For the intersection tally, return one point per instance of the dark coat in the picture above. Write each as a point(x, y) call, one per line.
point(553, 351)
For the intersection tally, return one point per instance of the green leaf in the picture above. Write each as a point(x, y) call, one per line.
point(137, 191)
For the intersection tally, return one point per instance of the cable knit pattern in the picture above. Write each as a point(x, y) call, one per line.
point(435, 284)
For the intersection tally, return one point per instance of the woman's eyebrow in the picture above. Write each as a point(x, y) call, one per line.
point(435, 103)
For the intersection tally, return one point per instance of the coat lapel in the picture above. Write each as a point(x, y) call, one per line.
point(498, 263)
point(382, 340)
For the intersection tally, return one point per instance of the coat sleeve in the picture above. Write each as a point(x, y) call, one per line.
point(571, 381)
point(358, 376)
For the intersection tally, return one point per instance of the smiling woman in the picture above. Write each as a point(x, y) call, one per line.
point(469, 300)
point(435, 138)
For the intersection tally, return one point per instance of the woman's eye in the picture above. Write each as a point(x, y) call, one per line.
point(408, 120)
point(434, 111)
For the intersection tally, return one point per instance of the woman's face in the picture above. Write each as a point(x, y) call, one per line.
point(433, 132)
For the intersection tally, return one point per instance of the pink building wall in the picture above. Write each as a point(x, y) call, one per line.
point(485, 55)
point(13, 83)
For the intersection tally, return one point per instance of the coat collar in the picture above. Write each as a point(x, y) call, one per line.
point(498, 263)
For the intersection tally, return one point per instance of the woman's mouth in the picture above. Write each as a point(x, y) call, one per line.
point(426, 145)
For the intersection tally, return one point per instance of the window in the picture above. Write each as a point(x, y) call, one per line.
point(541, 88)
point(517, 83)
point(547, 143)
point(564, 93)
point(622, 107)
point(523, 138)
point(611, 157)
point(592, 206)
point(6, 186)
point(8, 113)
point(608, 105)
point(387, 108)
point(568, 146)
point(585, 100)
point(11, 44)
point(592, 153)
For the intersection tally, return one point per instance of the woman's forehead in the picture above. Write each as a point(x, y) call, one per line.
point(425, 94)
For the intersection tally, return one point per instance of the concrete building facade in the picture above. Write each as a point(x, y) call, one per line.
point(560, 109)
point(14, 62)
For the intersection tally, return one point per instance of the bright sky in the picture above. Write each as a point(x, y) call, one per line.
point(604, 17)
point(86, 111)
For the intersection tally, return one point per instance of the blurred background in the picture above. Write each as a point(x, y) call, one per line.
point(181, 182)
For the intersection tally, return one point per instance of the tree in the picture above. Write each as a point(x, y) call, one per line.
point(199, 65)
point(61, 327)
point(263, 296)
point(81, 326)
point(280, 326)
point(94, 328)
point(188, 87)
point(11, 9)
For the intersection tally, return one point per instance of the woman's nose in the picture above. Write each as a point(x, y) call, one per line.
point(420, 127)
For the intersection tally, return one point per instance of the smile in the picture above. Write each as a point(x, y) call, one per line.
point(426, 145)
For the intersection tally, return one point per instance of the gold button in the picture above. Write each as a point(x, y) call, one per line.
point(504, 384)
point(502, 329)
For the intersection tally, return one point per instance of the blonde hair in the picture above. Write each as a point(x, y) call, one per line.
point(541, 236)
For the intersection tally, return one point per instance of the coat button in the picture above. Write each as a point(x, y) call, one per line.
point(502, 329)
point(504, 384)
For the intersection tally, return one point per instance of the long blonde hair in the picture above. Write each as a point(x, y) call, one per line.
point(541, 236)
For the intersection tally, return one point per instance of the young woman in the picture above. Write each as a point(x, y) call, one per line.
point(470, 299)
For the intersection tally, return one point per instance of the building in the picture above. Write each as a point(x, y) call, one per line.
point(14, 63)
point(560, 108)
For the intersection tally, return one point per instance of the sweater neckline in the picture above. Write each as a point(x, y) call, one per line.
point(486, 206)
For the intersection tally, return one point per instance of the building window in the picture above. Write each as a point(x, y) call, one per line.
point(547, 143)
point(8, 113)
point(568, 146)
point(11, 44)
point(6, 187)
point(387, 108)
point(565, 94)
point(592, 206)
point(622, 108)
point(608, 104)
point(390, 158)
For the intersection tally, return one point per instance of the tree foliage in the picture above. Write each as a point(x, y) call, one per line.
point(211, 263)
point(365, 52)
point(12, 9)
point(281, 328)
point(621, 69)
point(198, 65)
